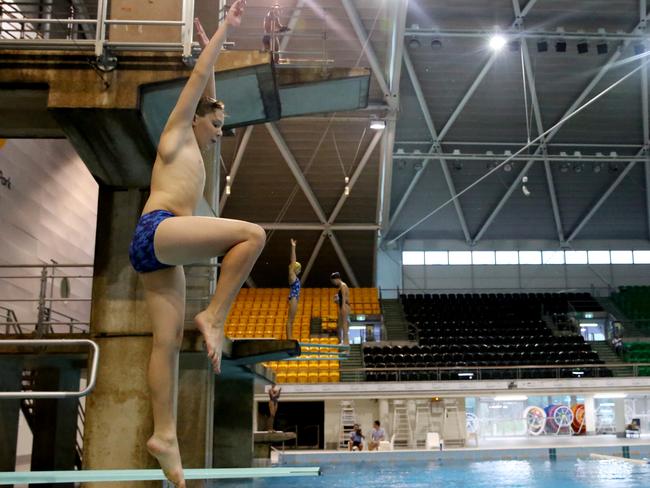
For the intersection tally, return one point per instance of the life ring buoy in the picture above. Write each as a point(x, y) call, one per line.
point(559, 417)
point(578, 424)
point(535, 418)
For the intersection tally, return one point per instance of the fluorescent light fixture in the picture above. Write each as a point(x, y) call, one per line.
point(589, 315)
point(361, 317)
point(376, 124)
point(610, 395)
point(510, 398)
point(466, 375)
point(578, 373)
point(607, 404)
point(497, 42)
point(587, 325)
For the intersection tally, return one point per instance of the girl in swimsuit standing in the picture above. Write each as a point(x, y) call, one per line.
point(294, 288)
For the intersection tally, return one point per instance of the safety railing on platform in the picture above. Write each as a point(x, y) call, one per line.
point(74, 24)
point(509, 373)
point(89, 25)
point(42, 299)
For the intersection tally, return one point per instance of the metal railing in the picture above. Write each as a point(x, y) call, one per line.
point(35, 24)
point(503, 373)
point(37, 298)
point(5, 395)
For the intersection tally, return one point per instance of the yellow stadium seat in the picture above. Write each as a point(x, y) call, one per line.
point(281, 377)
point(334, 376)
point(292, 376)
point(323, 376)
point(303, 377)
point(313, 376)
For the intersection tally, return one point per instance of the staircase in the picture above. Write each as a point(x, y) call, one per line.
point(606, 353)
point(347, 419)
point(402, 432)
point(629, 330)
point(354, 361)
point(394, 320)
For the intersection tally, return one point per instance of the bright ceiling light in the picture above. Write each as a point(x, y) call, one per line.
point(497, 42)
point(588, 325)
point(376, 124)
point(510, 398)
point(610, 395)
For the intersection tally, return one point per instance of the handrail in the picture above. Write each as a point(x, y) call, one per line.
point(7, 395)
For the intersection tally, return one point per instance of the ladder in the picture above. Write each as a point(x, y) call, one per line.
point(422, 422)
point(347, 420)
point(402, 432)
point(453, 431)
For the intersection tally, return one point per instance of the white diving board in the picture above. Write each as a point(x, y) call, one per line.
point(83, 476)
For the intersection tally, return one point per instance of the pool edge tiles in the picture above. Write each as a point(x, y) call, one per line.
point(635, 451)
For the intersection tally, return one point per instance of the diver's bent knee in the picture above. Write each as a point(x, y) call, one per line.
point(257, 235)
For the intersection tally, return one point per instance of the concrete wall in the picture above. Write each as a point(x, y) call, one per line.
point(48, 213)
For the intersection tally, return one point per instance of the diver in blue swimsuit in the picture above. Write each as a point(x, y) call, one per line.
point(294, 288)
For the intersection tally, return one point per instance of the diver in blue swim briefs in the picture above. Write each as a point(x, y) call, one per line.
point(169, 236)
point(294, 288)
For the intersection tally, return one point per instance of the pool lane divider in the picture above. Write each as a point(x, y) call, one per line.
point(89, 476)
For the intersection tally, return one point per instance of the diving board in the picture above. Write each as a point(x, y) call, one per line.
point(98, 476)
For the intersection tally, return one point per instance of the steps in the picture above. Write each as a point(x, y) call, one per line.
point(394, 320)
point(606, 353)
point(354, 361)
point(629, 330)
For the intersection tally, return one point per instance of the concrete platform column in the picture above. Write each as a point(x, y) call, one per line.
point(54, 421)
point(233, 422)
point(9, 412)
point(619, 416)
point(590, 414)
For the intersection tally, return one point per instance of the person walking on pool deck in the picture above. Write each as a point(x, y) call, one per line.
point(169, 236)
point(342, 298)
point(294, 288)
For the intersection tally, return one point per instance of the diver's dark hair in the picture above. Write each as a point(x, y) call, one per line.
point(207, 105)
point(335, 276)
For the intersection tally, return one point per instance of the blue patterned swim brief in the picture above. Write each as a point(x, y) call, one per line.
point(141, 252)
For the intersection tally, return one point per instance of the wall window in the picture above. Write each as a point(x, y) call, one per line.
point(413, 258)
point(507, 257)
point(460, 257)
point(530, 257)
point(483, 257)
point(598, 257)
point(575, 257)
point(641, 257)
point(436, 258)
point(622, 257)
point(552, 257)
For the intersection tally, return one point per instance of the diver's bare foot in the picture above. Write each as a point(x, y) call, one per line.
point(213, 336)
point(169, 458)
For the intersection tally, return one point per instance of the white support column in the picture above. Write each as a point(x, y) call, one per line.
point(235, 165)
point(295, 169)
point(590, 414)
point(645, 116)
point(344, 260)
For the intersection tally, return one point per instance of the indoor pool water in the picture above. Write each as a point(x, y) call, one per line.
point(470, 474)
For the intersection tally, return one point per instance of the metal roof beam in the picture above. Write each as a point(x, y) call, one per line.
point(521, 35)
point(344, 260)
point(235, 165)
point(553, 158)
point(355, 176)
point(366, 46)
point(519, 144)
point(603, 198)
point(530, 76)
point(295, 169)
point(315, 226)
point(295, 16)
point(435, 149)
point(645, 117)
point(314, 255)
point(393, 74)
point(585, 92)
